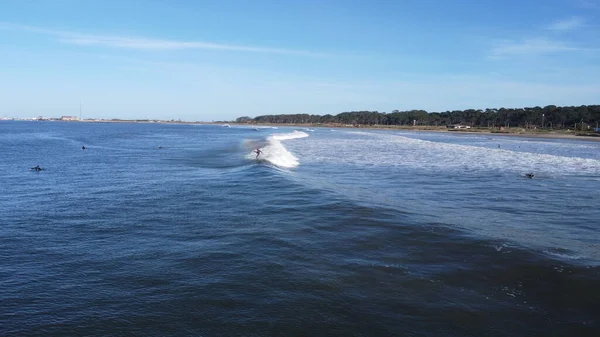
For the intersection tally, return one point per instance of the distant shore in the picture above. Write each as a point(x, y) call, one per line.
point(510, 132)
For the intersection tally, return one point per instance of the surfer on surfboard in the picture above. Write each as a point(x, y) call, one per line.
point(258, 152)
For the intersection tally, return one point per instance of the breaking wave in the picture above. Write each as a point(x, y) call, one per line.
point(395, 150)
point(273, 150)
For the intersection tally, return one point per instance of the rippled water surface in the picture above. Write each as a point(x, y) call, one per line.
point(179, 230)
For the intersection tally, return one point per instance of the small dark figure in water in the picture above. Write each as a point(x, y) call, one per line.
point(37, 168)
point(530, 175)
point(258, 152)
point(160, 147)
point(83, 147)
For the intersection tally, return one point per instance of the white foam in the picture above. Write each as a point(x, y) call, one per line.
point(400, 171)
point(380, 149)
point(273, 150)
point(286, 136)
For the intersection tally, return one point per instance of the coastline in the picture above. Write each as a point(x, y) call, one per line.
point(549, 136)
point(512, 132)
point(516, 132)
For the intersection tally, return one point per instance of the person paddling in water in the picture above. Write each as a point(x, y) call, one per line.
point(37, 168)
point(258, 152)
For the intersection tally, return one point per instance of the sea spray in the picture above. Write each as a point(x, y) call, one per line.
point(273, 151)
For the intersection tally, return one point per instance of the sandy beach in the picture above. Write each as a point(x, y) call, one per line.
point(515, 132)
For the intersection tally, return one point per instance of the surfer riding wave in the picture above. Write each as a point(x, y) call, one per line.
point(272, 150)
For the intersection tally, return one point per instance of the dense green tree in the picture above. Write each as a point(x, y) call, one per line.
point(244, 119)
point(550, 116)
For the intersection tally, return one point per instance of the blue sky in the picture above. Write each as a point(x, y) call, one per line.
point(218, 60)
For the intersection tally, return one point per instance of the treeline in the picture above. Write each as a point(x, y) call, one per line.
point(550, 116)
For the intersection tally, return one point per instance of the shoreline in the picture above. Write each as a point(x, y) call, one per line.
point(558, 134)
point(546, 136)
point(514, 132)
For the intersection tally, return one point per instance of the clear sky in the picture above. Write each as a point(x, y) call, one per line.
point(218, 60)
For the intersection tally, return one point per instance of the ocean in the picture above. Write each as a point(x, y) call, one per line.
point(178, 230)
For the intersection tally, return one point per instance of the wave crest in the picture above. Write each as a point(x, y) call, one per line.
point(287, 136)
point(273, 150)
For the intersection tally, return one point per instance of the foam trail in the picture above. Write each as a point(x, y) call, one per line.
point(286, 136)
point(399, 151)
point(273, 150)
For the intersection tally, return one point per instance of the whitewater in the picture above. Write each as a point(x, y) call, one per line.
point(273, 149)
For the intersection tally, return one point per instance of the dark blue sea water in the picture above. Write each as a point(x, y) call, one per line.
point(331, 233)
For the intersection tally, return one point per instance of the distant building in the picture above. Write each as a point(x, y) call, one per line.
point(458, 126)
point(69, 118)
